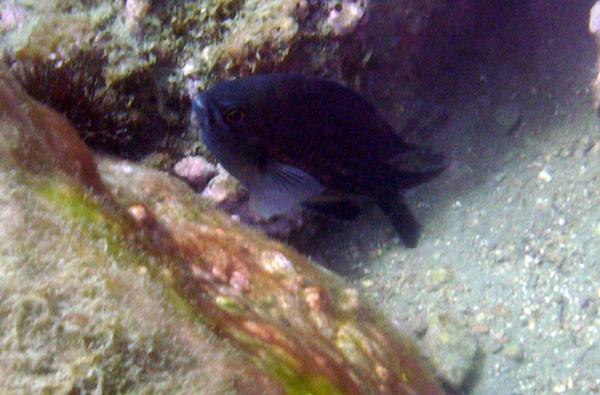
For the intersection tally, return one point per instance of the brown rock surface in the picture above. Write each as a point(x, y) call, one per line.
point(111, 284)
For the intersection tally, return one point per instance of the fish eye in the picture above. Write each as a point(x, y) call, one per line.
point(234, 115)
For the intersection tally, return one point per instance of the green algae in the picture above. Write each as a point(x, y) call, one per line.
point(53, 326)
point(299, 384)
point(77, 312)
point(230, 305)
point(269, 320)
point(101, 226)
point(73, 202)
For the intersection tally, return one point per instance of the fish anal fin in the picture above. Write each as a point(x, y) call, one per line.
point(401, 218)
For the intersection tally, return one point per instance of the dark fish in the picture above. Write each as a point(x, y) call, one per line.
point(290, 139)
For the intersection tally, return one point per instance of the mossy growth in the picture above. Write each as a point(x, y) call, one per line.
point(119, 118)
point(81, 309)
point(75, 318)
point(82, 62)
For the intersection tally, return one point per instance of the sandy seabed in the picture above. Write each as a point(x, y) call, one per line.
point(511, 243)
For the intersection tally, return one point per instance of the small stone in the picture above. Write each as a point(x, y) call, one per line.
point(514, 352)
point(451, 348)
point(196, 170)
point(138, 213)
point(382, 372)
point(559, 389)
point(437, 277)
point(225, 191)
point(188, 69)
point(349, 300)
point(240, 280)
point(496, 348)
point(565, 152)
point(367, 283)
point(276, 262)
point(481, 329)
point(315, 297)
point(597, 230)
point(501, 310)
point(500, 338)
point(544, 175)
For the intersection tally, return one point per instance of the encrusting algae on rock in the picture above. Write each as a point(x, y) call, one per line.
point(172, 268)
point(76, 313)
point(120, 70)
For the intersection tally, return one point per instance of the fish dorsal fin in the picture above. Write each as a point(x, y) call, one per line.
point(279, 188)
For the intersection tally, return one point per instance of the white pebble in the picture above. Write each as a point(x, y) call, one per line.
point(545, 175)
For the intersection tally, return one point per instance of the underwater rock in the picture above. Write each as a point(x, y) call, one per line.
point(281, 227)
point(115, 274)
point(78, 310)
point(224, 191)
point(196, 170)
point(514, 352)
point(122, 72)
point(451, 348)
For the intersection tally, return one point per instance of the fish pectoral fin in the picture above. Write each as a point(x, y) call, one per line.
point(280, 188)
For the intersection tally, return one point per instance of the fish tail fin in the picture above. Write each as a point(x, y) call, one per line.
point(402, 220)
